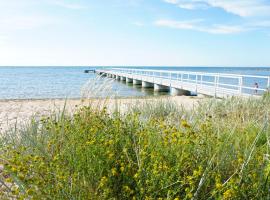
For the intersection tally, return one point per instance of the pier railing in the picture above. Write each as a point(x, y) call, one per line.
point(230, 84)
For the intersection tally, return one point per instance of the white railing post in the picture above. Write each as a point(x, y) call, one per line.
point(182, 78)
point(240, 85)
point(268, 84)
point(215, 86)
point(170, 79)
point(196, 83)
point(218, 81)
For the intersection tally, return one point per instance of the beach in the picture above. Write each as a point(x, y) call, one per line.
point(21, 111)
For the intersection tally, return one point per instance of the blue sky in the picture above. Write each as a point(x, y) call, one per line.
point(135, 32)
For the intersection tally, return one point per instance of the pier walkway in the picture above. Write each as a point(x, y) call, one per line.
point(187, 82)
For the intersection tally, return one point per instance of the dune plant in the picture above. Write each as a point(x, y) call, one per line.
point(218, 150)
point(266, 95)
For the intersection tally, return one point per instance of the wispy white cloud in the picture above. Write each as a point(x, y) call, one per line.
point(243, 8)
point(134, 2)
point(19, 22)
point(22, 4)
point(190, 5)
point(225, 29)
point(255, 15)
point(139, 24)
point(24, 14)
point(197, 26)
point(260, 24)
point(192, 24)
point(68, 5)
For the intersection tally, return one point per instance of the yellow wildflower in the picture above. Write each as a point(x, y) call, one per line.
point(185, 124)
point(136, 175)
point(110, 155)
point(122, 169)
point(189, 195)
point(228, 194)
point(90, 142)
point(103, 181)
point(114, 171)
point(218, 186)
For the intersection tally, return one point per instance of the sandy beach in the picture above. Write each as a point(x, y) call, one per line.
point(21, 111)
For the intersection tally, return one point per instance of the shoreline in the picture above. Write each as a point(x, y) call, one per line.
point(97, 98)
point(93, 98)
point(20, 111)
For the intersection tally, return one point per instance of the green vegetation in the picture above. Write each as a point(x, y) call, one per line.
point(220, 150)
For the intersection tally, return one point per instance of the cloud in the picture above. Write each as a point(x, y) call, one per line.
point(190, 5)
point(197, 26)
point(254, 15)
point(139, 24)
point(72, 6)
point(134, 2)
point(243, 8)
point(192, 24)
point(19, 22)
point(261, 24)
point(225, 29)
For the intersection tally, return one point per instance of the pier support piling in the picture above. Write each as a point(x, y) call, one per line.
point(137, 82)
point(180, 92)
point(161, 88)
point(129, 80)
point(147, 84)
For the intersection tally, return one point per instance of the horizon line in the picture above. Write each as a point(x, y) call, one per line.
point(132, 66)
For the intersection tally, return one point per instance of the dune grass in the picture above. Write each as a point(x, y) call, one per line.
point(219, 150)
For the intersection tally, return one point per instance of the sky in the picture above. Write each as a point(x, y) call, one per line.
point(135, 33)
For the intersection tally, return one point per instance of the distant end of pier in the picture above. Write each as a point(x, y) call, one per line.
point(90, 71)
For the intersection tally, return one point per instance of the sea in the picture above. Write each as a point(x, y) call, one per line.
point(72, 82)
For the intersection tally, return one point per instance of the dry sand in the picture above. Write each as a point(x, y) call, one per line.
point(20, 111)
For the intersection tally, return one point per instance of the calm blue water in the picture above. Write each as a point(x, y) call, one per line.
point(67, 82)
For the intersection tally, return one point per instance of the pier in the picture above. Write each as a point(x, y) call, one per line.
point(186, 82)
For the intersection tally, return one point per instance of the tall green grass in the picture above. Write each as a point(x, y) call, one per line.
point(218, 150)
